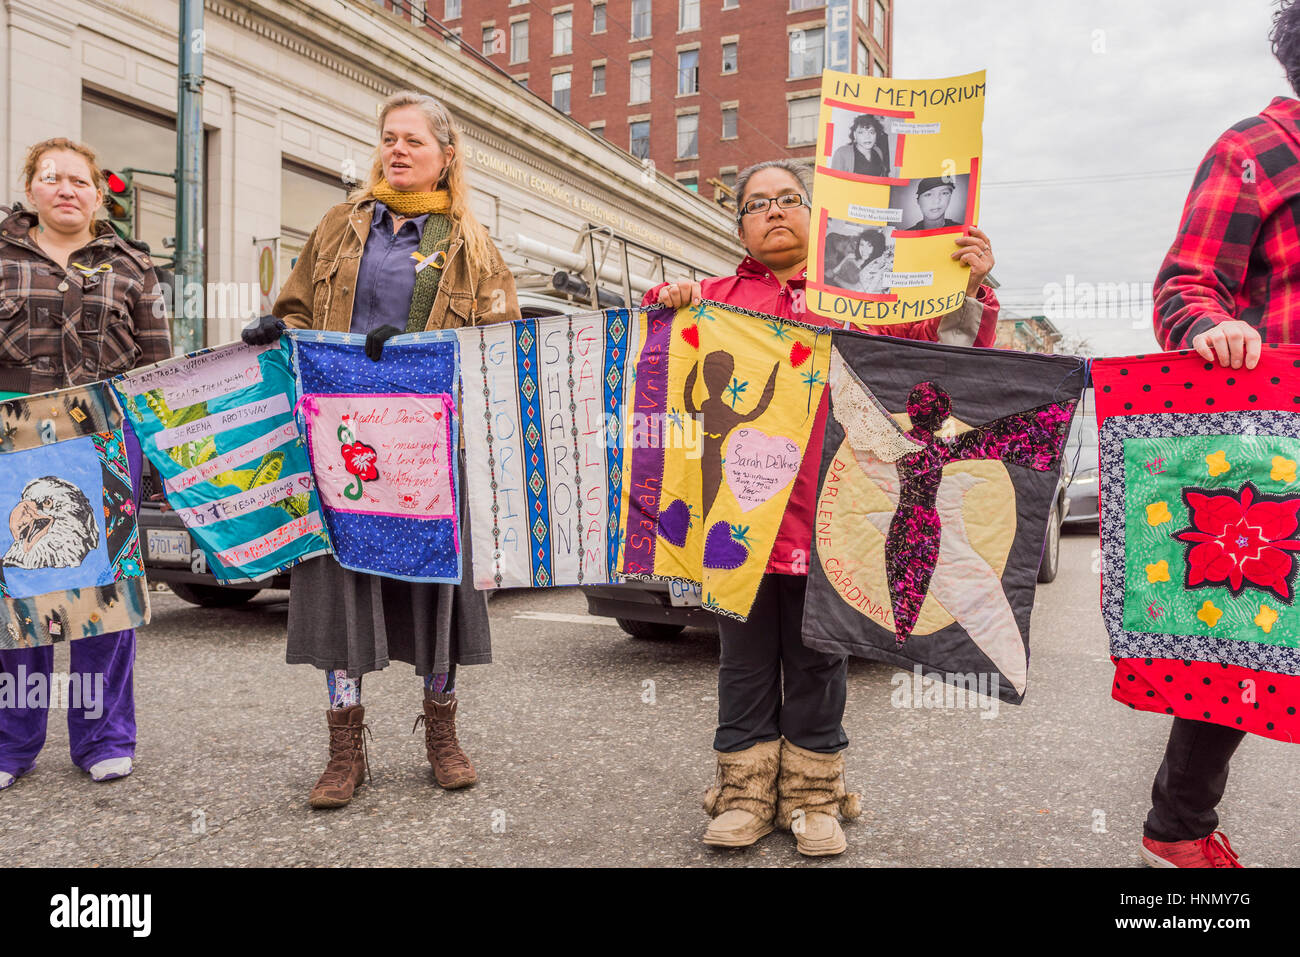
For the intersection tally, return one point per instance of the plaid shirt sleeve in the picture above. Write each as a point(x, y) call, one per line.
point(149, 316)
point(1198, 282)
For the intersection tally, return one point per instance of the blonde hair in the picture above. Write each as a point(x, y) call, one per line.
point(477, 244)
point(38, 150)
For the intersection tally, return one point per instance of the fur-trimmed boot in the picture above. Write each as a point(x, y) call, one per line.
point(810, 798)
point(742, 800)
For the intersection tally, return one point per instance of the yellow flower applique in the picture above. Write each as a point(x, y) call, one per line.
point(1283, 470)
point(1266, 618)
point(1159, 572)
point(1217, 462)
point(1158, 513)
point(1209, 613)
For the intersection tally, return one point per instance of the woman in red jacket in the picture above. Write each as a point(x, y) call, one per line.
point(779, 755)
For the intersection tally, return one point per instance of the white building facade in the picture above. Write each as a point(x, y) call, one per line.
point(289, 101)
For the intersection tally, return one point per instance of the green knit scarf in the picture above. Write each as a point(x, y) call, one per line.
point(433, 247)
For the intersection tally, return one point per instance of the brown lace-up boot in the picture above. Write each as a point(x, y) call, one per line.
point(349, 763)
point(451, 766)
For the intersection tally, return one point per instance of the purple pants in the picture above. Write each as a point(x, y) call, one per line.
point(102, 726)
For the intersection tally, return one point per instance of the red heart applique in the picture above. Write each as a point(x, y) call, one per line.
point(437, 416)
point(692, 335)
point(799, 354)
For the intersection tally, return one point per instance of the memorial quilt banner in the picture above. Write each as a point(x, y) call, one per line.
point(897, 180)
point(383, 439)
point(720, 411)
point(938, 474)
point(70, 563)
point(1200, 507)
point(543, 421)
point(218, 427)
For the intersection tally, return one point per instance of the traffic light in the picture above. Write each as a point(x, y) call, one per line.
point(120, 202)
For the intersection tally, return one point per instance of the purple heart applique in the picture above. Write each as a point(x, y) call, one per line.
point(674, 521)
point(721, 550)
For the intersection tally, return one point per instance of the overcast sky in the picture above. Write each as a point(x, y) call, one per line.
point(1114, 102)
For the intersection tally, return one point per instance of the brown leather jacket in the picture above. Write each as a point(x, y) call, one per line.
point(322, 286)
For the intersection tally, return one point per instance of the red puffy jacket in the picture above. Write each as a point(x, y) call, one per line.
point(755, 287)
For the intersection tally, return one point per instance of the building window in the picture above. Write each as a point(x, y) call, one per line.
point(639, 81)
point(878, 24)
point(519, 41)
point(690, 182)
point(305, 196)
point(880, 69)
point(730, 4)
point(598, 18)
point(803, 120)
point(688, 72)
point(599, 129)
point(688, 15)
point(730, 122)
point(561, 83)
point(688, 135)
point(728, 177)
point(863, 12)
point(562, 37)
point(806, 4)
point(489, 35)
point(522, 79)
point(730, 57)
point(598, 80)
point(640, 19)
point(807, 52)
point(864, 61)
point(451, 10)
point(639, 139)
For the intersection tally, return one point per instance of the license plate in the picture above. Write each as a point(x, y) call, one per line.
point(683, 594)
point(168, 545)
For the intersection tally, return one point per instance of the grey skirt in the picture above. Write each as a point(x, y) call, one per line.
point(346, 620)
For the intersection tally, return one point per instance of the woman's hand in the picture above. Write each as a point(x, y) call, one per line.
point(975, 250)
point(678, 294)
point(375, 340)
point(1232, 342)
point(262, 331)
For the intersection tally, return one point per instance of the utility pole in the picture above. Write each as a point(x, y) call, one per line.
point(190, 293)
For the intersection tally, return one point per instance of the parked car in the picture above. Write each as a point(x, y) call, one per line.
point(1082, 457)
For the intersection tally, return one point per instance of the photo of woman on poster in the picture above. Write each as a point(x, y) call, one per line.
point(867, 150)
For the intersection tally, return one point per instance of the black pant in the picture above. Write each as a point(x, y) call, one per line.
point(1190, 782)
point(756, 655)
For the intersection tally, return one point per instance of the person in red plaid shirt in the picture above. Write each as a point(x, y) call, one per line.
point(1230, 281)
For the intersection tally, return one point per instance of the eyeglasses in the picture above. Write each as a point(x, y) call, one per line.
point(785, 201)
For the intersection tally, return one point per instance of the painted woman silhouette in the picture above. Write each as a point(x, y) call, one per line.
point(719, 418)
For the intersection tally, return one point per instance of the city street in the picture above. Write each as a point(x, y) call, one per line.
point(584, 762)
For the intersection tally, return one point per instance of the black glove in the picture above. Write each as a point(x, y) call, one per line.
point(376, 338)
point(262, 331)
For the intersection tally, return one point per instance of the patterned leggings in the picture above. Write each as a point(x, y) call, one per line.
point(346, 692)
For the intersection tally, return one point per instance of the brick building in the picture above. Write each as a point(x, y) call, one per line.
point(700, 88)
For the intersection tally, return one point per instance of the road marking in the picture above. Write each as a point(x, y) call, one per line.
point(569, 619)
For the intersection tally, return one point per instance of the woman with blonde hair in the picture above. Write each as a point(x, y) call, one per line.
point(77, 304)
point(404, 253)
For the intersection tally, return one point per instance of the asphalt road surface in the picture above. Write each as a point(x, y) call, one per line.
point(594, 749)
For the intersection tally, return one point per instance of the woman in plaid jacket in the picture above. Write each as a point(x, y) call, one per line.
point(77, 304)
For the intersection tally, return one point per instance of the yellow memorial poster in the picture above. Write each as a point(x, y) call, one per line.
point(897, 180)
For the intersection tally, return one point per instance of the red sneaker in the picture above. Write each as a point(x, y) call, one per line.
point(1211, 851)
